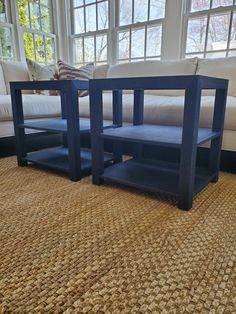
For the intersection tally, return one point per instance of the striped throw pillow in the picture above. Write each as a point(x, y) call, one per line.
point(68, 72)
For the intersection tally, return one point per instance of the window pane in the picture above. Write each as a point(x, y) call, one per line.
point(45, 2)
point(2, 11)
point(79, 20)
point(125, 12)
point(154, 41)
point(24, 13)
point(216, 54)
point(199, 55)
point(91, 18)
point(157, 9)
point(101, 48)
point(221, 3)
point(123, 45)
point(88, 49)
point(218, 32)
point(50, 50)
point(89, 1)
point(45, 19)
point(39, 49)
point(78, 3)
point(140, 10)
point(29, 46)
point(233, 32)
point(199, 5)
point(196, 34)
point(78, 50)
point(103, 15)
point(232, 53)
point(137, 42)
point(35, 16)
point(6, 47)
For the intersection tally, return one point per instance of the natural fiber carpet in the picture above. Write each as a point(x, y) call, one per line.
point(77, 248)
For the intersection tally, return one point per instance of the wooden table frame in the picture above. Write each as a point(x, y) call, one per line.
point(69, 110)
point(193, 85)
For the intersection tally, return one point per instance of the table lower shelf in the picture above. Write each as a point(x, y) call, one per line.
point(57, 158)
point(161, 178)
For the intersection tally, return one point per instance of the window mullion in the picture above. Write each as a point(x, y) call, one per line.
point(229, 32)
point(207, 32)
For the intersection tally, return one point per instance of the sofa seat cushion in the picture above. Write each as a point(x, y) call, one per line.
point(158, 109)
point(164, 110)
point(155, 68)
point(35, 106)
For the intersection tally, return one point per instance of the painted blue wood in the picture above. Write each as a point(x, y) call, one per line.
point(96, 117)
point(156, 135)
point(57, 158)
point(71, 158)
point(117, 120)
point(18, 118)
point(60, 125)
point(147, 175)
point(189, 145)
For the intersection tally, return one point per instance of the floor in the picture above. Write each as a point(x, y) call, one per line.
point(78, 248)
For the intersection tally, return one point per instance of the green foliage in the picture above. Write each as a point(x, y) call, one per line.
point(2, 6)
point(36, 41)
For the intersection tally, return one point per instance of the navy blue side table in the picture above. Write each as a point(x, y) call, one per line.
point(183, 180)
point(69, 158)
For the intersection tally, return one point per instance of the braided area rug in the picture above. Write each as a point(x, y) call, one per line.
point(70, 247)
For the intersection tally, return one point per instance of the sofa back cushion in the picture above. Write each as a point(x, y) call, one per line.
point(100, 71)
point(219, 67)
point(3, 89)
point(15, 71)
point(155, 68)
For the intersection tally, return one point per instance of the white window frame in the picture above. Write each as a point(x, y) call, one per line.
point(207, 13)
point(144, 25)
point(22, 30)
point(114, 28)
point(9, 26)
point(93, 34)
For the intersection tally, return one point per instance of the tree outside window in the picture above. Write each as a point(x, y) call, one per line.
point(36, 19)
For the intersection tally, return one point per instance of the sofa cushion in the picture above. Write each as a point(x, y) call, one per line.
point(15, 71)
point(219, 67)
point(35, 106)
point(68, 72)
point(3, 89)
point(39, 72)
point(155, 68)
point(100, 71)
point(165, 110)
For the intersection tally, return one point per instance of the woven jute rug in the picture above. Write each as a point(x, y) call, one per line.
point(78, 248)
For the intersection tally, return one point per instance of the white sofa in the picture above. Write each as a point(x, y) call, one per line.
point(161, 107)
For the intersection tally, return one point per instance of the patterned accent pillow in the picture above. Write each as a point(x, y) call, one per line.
point(40, 72)
point(68, 72)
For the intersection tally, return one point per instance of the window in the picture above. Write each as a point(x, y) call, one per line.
point(140, 29)
point(211, 29)
point(134, 31)
point(6, 42)
point(91, 23)
point(35, 18)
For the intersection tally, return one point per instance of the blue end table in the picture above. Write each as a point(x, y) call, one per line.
point(182, 180)
point(69, 158)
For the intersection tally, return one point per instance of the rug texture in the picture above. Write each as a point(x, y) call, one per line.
point(70, 247)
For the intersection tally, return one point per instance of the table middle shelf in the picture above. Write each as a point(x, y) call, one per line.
point(155, 134)
point(60, 125)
